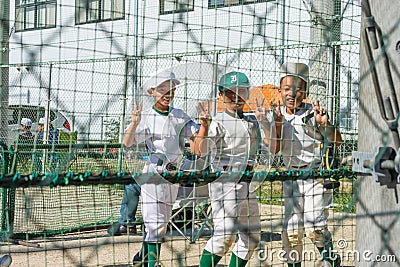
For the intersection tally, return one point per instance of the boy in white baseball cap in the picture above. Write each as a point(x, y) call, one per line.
point(52, 132)
point(40, 131)
point(157, 79)
point(301, 128)
point(164, 129)
point(25, 127)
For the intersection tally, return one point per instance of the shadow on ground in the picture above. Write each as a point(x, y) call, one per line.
point(269, 237)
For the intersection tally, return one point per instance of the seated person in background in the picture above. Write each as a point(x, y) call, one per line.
point(129, 205)
point(25, 127)
point(51, 139)
point(40, 131)
point(53, 133)
point(25, 136)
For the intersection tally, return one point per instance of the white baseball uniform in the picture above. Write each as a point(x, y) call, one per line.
point(234, 205)
point(306, 201)
point(164, 134)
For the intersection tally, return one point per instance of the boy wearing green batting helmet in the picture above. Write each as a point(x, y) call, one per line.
point(234, 138)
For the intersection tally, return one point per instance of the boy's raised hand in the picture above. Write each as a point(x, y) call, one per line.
point(260, 112)
point(278, 116)
point(204, 114)
point(320, 114)
point(136, 112)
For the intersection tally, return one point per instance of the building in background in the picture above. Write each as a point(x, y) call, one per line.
point(78, 50)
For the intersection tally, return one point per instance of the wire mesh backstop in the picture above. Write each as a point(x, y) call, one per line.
point(81, 65)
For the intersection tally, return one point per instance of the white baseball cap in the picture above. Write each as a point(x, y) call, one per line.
point(294, 69)
point(158, 78)
point(41, 121)
point(26, 122)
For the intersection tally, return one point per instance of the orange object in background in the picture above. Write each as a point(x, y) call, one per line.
point(268, 91)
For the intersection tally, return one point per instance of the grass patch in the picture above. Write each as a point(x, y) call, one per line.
point(344, 199)
point(270, 193)
point(344, 202)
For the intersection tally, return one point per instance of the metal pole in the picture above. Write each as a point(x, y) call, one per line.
point(322, 13)
point(135, 84)
point(331, 85)
point(122, 117)
point(283, 31)
point(334, 90)
point(215, 82)
point(378, 234)
point(8, 195)
point(4, 72)
point(47, 121)
point(47, 110)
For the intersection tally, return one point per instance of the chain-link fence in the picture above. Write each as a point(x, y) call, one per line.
point(63, 187)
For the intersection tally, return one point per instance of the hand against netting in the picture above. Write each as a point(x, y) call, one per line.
point(260, 112)
point(320, 115)
point(136, 113)
point(278, 116)
point(204, 114)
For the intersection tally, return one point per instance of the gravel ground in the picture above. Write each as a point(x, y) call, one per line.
point(95, 248)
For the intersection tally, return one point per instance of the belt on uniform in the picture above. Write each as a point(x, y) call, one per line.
point(169, 166)
point(329, 183)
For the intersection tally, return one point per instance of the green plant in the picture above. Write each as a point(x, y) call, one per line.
point(344, 198)
point(345, 202)
point(270, 193)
